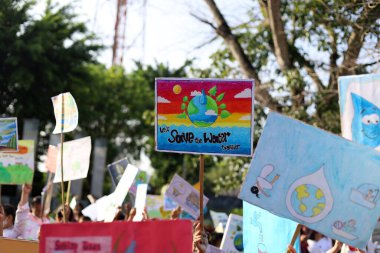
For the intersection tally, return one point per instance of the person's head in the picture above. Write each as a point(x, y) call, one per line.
point(9, 216)
point(78, 211)
point(69, 215)
point(37, 206)
point(84, 219)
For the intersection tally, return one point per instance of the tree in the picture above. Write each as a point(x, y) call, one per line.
point(312, 42)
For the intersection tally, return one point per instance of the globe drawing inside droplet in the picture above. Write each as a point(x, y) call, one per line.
point(238, 242)
point(202, 110)
point(308, 200)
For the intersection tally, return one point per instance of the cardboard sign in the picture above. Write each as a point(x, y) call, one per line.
point(220, 221)
point(315, 178)
point(185, 195)
point(8, 245)
point(51, 159)
point(155, 207)
point(68, 117)
point(117, 237)
point(359, 98)
point(76, 159)
point(204, 116)
point(116, 170)
point(213, 249)
point(140, 201)
point(259, 228)
point(232, 241)
point(8, 134)
point(18, 167)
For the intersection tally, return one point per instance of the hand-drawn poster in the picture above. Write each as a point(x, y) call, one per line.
point(220, 221)
point(117, 237)
point(185, 195)
point(108, 210)
point(259, 228)
point(18, 167)
point(169, 204)
point(116, 170)
point(51, 159)
point(359, 98)
point(206, 116)
point(155, 207)
point(315, 178)
point(8, 134)
point(212, 249)
point(232, 241)
point(69, 117)
point(76, 159)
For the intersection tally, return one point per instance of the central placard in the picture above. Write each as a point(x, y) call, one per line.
point(204, 116)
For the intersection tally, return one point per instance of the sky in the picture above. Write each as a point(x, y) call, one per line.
point(171, 36)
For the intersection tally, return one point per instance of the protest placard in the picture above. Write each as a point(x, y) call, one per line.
point(204, 116)
point(118, 237)
point(315, 178)
point(18, 167)
point(261, 227)
point(76, 159)
point(220, 221)
point(359, 98)
point(66, 119)
point(185, 195)
point(232, 241)
point(8, 134)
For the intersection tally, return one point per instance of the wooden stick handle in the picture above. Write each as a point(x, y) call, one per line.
point(201, 175)
point(295, 235)
point(68, 193)
point(62, 184)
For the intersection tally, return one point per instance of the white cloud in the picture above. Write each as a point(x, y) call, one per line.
point(246, 117)
point(246, 93)
point(162, 100)
point(162, 117)
point(211, 112)
point(195, 93)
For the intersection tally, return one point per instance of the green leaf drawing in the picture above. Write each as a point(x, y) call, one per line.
point(185, 99)
point(220, 97)
point(181, 116)
point(224, 114)
point(183, 106)
point(222, 106)
point(212, 91)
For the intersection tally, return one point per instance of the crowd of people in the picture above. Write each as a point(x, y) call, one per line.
point(25, 222)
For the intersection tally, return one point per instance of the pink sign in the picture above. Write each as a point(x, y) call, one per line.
point(117, 237)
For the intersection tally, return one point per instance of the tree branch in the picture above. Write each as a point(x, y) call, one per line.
point(223, 30)
point(278, 34)
point(356, 39)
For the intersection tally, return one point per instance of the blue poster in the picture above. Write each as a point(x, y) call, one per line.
point(315, 178)
point(359, 98)
point(265, 232)
point(204, 116)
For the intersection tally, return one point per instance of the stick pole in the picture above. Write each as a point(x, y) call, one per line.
point(68, 192)
point(296, 234)
point(201, 174)
point(44, 194)
point(62, 184)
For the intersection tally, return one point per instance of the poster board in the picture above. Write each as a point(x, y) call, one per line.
point(76, 159)
point(70, 113)
point(232, 241)
point(8, 134)
point(316, 179)
point(185, 195)
point(204, 116)
point(260, 227)
point(117, 237)
point(8, 245)
point(359, 100)
point(18, 167)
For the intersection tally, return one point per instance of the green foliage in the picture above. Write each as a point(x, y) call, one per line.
point(181, 116)
point(185, 99)
point(183, 106)
point(222, 106)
